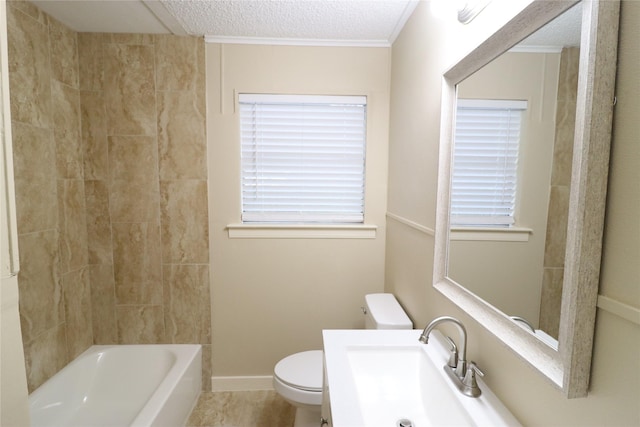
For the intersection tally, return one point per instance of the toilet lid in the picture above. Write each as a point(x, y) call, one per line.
point(301, 370)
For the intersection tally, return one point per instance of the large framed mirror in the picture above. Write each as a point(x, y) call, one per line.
point(527, 268)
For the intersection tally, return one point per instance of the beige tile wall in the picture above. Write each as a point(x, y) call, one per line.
point(55, 301)
point(555, 241)
point(143, 134)
point(111, 183)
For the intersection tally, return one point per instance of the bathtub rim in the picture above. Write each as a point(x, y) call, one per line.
point(186, 355)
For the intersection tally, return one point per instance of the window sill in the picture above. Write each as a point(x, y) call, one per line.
point(495, 234)
point(301, 231)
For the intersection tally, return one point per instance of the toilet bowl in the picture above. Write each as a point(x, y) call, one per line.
point(298, 377)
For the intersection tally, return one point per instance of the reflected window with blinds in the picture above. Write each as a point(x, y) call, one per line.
point(302, 158)
point(485, 164)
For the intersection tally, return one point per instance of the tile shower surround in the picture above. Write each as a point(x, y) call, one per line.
point(111, 189)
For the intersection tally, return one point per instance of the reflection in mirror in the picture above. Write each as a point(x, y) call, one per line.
point(511, 176)
point(462, 243)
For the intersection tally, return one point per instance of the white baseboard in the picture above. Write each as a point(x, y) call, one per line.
point(242, 383)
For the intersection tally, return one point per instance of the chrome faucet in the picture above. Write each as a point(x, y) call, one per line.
point(461, 363)
point(464, 377)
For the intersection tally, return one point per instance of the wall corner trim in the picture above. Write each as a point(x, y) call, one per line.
point(412, 224)
point(627, 312)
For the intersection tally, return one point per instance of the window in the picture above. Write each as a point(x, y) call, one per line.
point(484, 180)
point(303, 158)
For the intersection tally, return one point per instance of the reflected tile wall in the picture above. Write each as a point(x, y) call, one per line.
point(55, 303)
point(558, 214)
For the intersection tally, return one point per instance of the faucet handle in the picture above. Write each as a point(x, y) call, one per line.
point(470, 377)
point(469, 381)
point(473, 369)
point(453, 353)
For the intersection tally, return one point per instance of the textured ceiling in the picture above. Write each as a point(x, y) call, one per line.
point(564, 31)
point(323, 22)
point(311, 22)
point(373, 21)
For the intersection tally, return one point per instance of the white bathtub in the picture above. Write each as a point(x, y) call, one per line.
point(122, 385)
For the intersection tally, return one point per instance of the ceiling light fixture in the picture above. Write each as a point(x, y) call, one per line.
point(467, 10)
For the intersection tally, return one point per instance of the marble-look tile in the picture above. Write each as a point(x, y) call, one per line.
point(34, 152)
point(45, 356)
point(185, 223)
point(565, 117)
point(137, 263)
point(64, 53)
point(129, 89)
point(140, 324)
point(41, 302)
point(187, 310)
point(103, 304)
point(36, 205)
point(69, 154)
point(94, 135)
point(206, 367)
point(77, 308)
point(34, 161)
point(177, 62)
point(66, 106)
point(181, 136)
point(134, 201)
point(551, 300)
point(134, 188)
point(558, 217)
point(568, 75)
point(133, 158)
point(201, 80)
point(66, 119)
point(29, 69)
point(28, 9)
point(563, 144)
point(100, 250)
point(129, 38)
point(72, 214)
point(91, 63)
point(241, 409)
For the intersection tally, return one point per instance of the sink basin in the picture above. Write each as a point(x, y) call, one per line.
point(394, 383)
point(386, 377)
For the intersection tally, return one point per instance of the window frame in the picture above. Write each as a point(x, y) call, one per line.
point(494, 222)
point(294, 228)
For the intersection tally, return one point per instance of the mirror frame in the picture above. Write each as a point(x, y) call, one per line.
point(569, 367)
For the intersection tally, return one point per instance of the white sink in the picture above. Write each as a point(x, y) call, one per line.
point(377, 378)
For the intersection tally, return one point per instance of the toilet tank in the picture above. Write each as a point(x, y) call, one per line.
point(382, 311)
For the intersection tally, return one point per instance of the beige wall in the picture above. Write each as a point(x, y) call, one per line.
point(615, 383)
point(516, 290)
point(111, 189)
point(272, 297)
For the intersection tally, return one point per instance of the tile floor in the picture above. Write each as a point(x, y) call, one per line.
point(241, 409)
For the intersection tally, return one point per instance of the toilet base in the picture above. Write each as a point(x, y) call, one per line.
point(306, 417)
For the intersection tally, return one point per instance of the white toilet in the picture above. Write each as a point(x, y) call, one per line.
point(298, 378)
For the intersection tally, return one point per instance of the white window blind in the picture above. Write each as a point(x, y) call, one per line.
point(484, 180)
point(303, 158)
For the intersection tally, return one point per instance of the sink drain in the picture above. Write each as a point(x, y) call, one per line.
point(403, 422)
